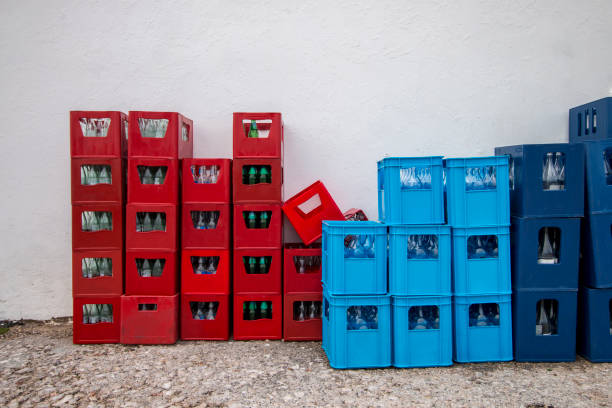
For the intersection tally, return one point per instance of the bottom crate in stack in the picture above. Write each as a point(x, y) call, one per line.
point(302, 316)
point(149, 319)
point(595, 324)
point(258, 316)
point(205, 316)
point(96, 319)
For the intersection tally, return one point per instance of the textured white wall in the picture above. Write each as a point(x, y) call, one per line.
point(354, 82)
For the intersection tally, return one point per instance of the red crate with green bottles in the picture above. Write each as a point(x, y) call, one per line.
point(258, 270)
point(258, 135)
point(258, 179)
point(257, 225)
point(258, 316)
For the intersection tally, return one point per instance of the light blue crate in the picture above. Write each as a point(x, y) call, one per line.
point(411, 190)
point(486, 273)
point(475, 343)
point(416, 273)
point(426, 345)
point(345, 272)
point(477, 204)
point(347, 345)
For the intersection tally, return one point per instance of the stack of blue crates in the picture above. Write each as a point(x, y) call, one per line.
point(591, 126)
point(477, 195)
point(547, 203)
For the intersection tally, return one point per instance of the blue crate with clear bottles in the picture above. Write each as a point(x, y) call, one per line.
point(482, 328)
point(591, 121)
point(422, 331)
point(596, 242)
point(599, 176)
point(356, 330)
point(595, 324)
point(411, 190)
point(477, 191)
point(544, 325)
point(419, 260)
point(354, 257)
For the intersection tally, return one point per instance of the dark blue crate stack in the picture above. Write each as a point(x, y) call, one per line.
point(547, 203)
point(477, 200)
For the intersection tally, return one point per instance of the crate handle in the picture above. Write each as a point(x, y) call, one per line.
point(310, 206)
point(147, 307)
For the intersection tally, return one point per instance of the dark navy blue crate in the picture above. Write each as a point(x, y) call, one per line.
point(530, 196)
point(411, 190)
point(545, 253)
point(487, 339)
point(356, 330)
point(595, 324)
point(596, 246)
point(477, 191)
point(592, 121)
point(544, 325)
point(419, 260)
point(481, 260)
point(354, 257)
point(422, 331)
point(599, 175)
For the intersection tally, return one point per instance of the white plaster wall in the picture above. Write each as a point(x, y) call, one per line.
point(354, 80)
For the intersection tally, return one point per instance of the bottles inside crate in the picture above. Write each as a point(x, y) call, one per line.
point(96, 221)
point(96, 267)
point(257, 219)
point(359, 246)
point(424, 318)
point(416, 178)
point(254, 265)
point(153, 128)
point(252, 174)
point(484, 314)
point(482, 246)
point(307, 264)
point(150, 221)
point(255, 310)
point(143, 307)
point(362, 318)
point(553, 171)
point(549, 241)
point(205, 174)
point(92, 174)
point(185, 132)
point(511, 172)
point(205, 265)
point(97, 313)
point(480, 178)
point(607, 161)
point(357, 216)
point(257, 129)
point(205, 219)
point(306, 310)
point(422, 247)
point(204, 310)
point(152, 174)
point(546, 317)
point(94, 127)
point(148, 268)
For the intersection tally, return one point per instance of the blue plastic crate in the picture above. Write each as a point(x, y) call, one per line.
point(545, 253)
point(481, 260)
point(356, 330)
point(354, 257)
point(477, 192)
point(422, 331)
point(544, 325)
point(595, 324)
point(411, 190)
point(419, 260)
point(592, 121)
point(596, 243)
point(546, 180)
point(482, 339)
point(599, 175)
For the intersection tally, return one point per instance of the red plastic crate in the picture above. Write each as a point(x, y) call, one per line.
point(261, 192)
point(308, 208)
point(168, 192)
point(270, 128)
point(302, 268)
point(205, 327)
point(141, 326)
point(165, 240)
point(164, 285)
point(102, 239)
point(308, 329)
point(270, 237)
point(257, 282)
point(207, 282)
point(114, 144)
point(259, 329)
point(177, 142)
point(219, 237)
point(355, 214)
point(100, 332)
point(207, 192)
point(92, 263)
point(101, 191)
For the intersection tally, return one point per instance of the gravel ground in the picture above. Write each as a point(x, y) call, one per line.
point(39, 366)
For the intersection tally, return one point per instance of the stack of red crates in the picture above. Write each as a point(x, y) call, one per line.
point(150, 307)
point(258, 225)
point(98, 149)
point(206, 255)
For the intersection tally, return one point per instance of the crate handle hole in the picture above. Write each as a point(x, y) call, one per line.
point(310, 206)
point(149, 307)
point(547, 311)
point(257, 128)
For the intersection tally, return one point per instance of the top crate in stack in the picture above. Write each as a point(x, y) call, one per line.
point(98, 134)
point(160, 134)
point(592, 121)
point(258, 135)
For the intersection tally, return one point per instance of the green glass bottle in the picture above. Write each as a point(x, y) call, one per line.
point(264, 219)
point(264, 310)
point(263, 265)
point(252, 265)
point(252, 221)
point(264, 175)
point(253, 175)
point(253, 130)
point(252, 310)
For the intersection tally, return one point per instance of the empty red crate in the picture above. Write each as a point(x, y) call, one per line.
point(98, 133)
point(308, 208)
point(153, 180)
point(151, 272)
point(97, 226)
point(257, 270)
point(205, 316)
point(149, 319)
point(355, 214)
point(302, 316)
point(158, 231)
point(160, 134)
point(97, 179)
point(254, 327)
point(302, 268)
point(207, 180)
point(205, 270)
point(99, 323)
point(269, 142)
point(248, 222)
point(97, 272)
point(265, 177)
point(206, 225)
